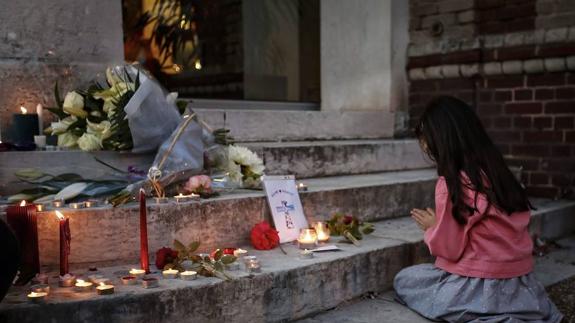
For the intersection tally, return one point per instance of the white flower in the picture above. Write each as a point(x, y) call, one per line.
point(62, 126)
point(67, 140)
point(244, 165)
point(101, 130)
point(74, 104)
point(89, 142)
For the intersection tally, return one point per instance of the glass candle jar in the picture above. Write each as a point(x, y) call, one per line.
point(307, 239)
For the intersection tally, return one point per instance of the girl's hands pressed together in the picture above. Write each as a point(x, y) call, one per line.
point(425, 219)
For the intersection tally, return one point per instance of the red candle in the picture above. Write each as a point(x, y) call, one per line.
point(22, 218)
point(65, 239)
point(144, 260)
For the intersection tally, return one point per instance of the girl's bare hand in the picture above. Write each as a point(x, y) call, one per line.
point(425, 219)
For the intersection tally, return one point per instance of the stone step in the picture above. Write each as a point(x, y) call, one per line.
point(110, 235)
point(339, 157)
point(550, 269)
point(289, 288)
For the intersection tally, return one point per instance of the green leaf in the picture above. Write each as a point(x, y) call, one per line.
point(59, 102)
point(218, 266)
point(228, 259)
point(193, 246)
point(29, 174)
point(180, 248)
point(196, 258)
point(218, 254)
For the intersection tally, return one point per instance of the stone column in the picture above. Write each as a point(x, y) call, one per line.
point(362, 64)
point(42, 42)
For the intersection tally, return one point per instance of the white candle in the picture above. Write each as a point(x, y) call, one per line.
point(238, 253)
point(104, 289)
point(67, 280)
point(150, 282)
point(138, 273)
point(301, 187)
point(170, 273)
point(40, 141)
point(40, 113)
point(253, 266)
point(36, 298)
point(188, 275)
point(83, 286)
point(129, 280)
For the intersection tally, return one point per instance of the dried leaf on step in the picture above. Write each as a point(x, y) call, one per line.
point(71, 191)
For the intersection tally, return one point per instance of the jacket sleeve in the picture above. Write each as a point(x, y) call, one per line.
point(447, 238)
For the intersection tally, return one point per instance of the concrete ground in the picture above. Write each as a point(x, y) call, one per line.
point(555, 270)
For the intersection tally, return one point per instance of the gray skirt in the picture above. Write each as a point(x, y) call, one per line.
point(441, 296)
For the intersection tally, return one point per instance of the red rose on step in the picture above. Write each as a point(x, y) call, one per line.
point(264, 237)
point(347, 219)
point(165, 256)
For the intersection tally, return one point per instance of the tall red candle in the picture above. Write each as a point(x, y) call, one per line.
point(144, 260)
point(23, 220)
point(65, 240)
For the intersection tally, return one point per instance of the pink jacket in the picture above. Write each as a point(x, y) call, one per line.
point(491, 245)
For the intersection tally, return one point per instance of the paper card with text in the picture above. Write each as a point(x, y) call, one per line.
point(285, 205)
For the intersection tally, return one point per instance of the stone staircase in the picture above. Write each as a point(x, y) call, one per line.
point(376, 180)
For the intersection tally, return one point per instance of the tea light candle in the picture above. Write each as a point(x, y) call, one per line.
point(91, 203)
point(306, 254)
point(104, 289)
point(150, 282)
point(302, 187)
point(307, 239)
point(40, 207)
point(240, 252)
point(253, 266)
point(79, 205)
point(322, 231)
point(188, 275)
point(170, 273)
point(129, 280)
point(161, 200)
point(37, 298)
point(40, 288)
point(83, 286)
point(67, 280)
point(40, 278)
point(58, 203)
point(138, 273)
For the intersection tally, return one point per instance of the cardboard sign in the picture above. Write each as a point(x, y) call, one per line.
point(285, 205)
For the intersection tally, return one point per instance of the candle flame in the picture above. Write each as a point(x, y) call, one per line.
point(102, 284)
point(23, 203)
point(80, 281)
point(59, 215)
point(33, 294)
point(23, 110)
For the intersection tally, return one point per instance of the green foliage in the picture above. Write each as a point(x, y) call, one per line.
point(350, 227)
point(204, 265)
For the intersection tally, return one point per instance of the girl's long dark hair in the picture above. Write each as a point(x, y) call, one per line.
point(452, 136)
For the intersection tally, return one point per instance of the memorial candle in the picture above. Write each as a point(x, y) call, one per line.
point(23, 220)
point(65, 239)
point(25, 126)
point(144, 260)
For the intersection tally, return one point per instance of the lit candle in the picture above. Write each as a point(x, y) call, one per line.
point(40, 288)
point(188, 275)
point(37, 298)
point(40, 207)
point(253, 266)
point(65, 241)
point(144, 257)
point(78, 205)
point(161, 200)
point(180, 198)
point(25, 126)
point(67, 280)
point(104, 289)
point(150, 282)
point(240, 253)
point(138, 273)
point(322, 231)
point(307, 239)
point(306, 254)
point(83, 286)
point(91, 203)
point(170, 273)
point(302, 187)
point(40, 113)
point(58, 203)
point(23, 221)
point(129, 280)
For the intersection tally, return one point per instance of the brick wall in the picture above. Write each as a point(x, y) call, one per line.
point(514, 61)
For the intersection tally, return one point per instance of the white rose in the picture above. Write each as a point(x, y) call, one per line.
point(67, 140)
point(89, 142)
point(74, 104)
point(101, 130)
point(62, 126)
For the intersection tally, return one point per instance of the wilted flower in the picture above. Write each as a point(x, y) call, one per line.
point(198, 184)
point(89, 142)
point(74, 104)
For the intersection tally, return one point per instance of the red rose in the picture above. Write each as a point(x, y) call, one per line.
point(347, 219)
point(264, 237)
point(165, 256)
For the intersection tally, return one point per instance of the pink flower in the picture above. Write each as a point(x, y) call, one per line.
point(198, 184)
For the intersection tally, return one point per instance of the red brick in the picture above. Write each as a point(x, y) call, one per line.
point(485, 96)
point(570, 136)
point(501, 122)
point(543, 136)
point(456, 84)
point(557, 50)
point(424, 61)
point(550, 192)
point(503, 149)
point(524, 108)
point(561, 165)
point(489, 109)
point(461, 57)
point(526, 163)
point(505, 81)
point(487, 122)
point(565, 93)
point(502, 96)
point(530, 150)
point(423, 86)
point(466, 96)
point(520, 24)
point(542, 122)
point(564, 122)
point(491, 27)
point(562, 179)
point(570, 78)
point(505, 136)
point(560, 107)
point(484, 4)
point(523, 95)
point(539, 178)
point(489, 55)
point(544, 94)
point(546, 79)
point(522, 122)
point(511, 53)
point(561, 151)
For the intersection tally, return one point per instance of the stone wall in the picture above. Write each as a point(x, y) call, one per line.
point(42, 42)
point(514, 61)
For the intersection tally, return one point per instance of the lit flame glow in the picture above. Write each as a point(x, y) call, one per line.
point(23, 203)
point(198, 65)
point(102, 284)
point(59, 215)
point(33, 294)
point(23, 110)
point(80, 281)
